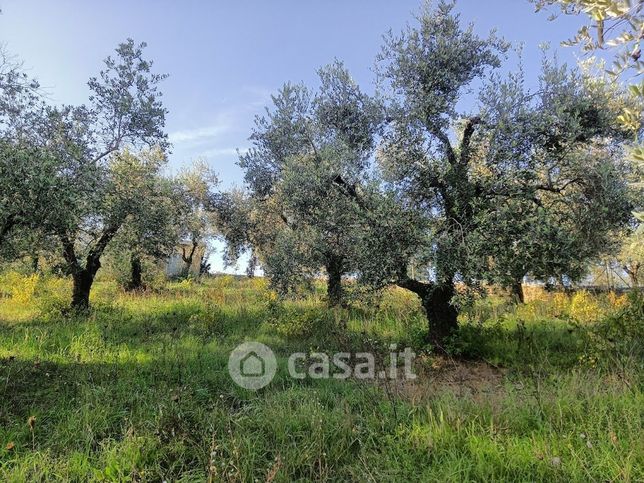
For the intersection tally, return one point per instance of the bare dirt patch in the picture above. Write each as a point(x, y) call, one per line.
point(472, 379)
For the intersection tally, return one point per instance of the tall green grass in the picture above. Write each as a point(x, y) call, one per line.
point(138, 390)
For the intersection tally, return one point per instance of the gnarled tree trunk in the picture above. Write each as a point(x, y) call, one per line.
point(83, 281)
point(83, 276)
point(442, 316)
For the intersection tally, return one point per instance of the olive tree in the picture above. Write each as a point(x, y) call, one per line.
point(614, 30)
point(25, 167)
point(194, 198)
point(310, 153)
point(531, 182)
point(94, 191)
point(149, 232)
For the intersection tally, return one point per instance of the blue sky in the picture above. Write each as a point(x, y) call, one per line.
point(226, 57)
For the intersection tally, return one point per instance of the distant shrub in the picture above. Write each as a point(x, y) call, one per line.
point(585, 308)
point(21, 288)
point(618, 336)
point(617, 301)
point(295, 323)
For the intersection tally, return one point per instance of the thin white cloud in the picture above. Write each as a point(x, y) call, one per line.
point(224, 121)
point(219, 152)
point(232, 123)
point(198, 134)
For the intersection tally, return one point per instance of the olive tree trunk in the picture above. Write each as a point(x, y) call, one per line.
point(136, 274)
point(83, 282)
point(188, 257)
point(334, 280)
point(83, 276)
point(442, 316)
point(517, 292)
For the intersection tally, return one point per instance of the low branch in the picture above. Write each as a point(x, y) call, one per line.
point(188, 259)
point(96, 252)
point(419, 288)
point(69, 254)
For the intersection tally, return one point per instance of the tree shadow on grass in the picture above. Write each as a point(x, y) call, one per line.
point(88, 408)
point(544, 344)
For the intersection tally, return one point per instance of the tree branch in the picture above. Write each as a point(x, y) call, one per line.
point(188, 259)
point(444, 139)
point(419, 288)
point(107, 235)
point(553, 189)
point(468, 132)
point(69, 254)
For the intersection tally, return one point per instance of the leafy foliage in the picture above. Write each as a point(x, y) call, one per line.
point(194, 198)
point(310, 153)
point(58, 161)
point(618, 28)
point(532, 183)
point(617, 24)
point(149, 232)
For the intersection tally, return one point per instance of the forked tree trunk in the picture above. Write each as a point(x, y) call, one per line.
point(188, 257)
point(83, 281)
point(334, 280)
point(83, 276)
point(442, 316)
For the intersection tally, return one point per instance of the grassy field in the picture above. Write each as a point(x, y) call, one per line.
point(139, 390)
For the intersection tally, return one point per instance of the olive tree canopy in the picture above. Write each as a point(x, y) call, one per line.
point(60, 164)
point(531, 182)
point(311, 151)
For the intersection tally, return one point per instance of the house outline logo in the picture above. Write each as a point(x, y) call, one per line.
point(252, 365)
